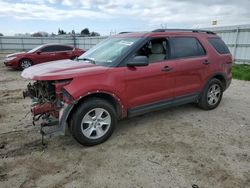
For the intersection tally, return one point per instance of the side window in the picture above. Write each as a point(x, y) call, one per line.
point(49, 49)
point(185, 47)
point(156, 50)
point(219, 45)
point(64, 48)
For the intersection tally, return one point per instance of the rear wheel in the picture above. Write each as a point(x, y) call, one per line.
point(93, 122)
point(211, 95)
point(25, 63)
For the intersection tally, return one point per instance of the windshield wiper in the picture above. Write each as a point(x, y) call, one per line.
point(87, 59)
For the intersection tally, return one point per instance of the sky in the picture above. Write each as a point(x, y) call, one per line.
point(105, 16)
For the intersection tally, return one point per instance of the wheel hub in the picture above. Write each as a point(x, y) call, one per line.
point(214, 93)
point(96, 123)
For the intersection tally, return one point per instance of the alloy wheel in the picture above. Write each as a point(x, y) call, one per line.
point(96, 123)
point(213, 95)
point(25, 64)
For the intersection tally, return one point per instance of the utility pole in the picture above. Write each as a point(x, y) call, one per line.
point(74, 39)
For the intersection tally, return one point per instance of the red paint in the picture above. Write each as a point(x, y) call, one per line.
point(43, 108)
point(139, 85)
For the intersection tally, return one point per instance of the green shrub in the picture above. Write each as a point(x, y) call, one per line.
point(241, 72)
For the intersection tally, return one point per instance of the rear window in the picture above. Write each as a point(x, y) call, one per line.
point(219, 45)
point(181, 47)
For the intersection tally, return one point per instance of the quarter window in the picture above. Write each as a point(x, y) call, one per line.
point(181, 47)
point(219, 45)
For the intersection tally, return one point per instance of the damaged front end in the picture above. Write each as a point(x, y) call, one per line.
point(51, 104)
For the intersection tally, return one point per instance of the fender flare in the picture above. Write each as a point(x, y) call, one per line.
point(66, 110)
point(214, 76)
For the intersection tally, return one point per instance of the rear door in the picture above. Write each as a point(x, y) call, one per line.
point(192, 62)
point(63, 52)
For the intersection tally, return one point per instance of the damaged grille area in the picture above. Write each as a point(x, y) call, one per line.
point(41, 91)
point(47, 100)
point(46, 97)
point(45, 103)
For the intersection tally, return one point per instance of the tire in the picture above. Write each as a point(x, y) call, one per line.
point(212, 95)
point(93, 122)
point(25, 63)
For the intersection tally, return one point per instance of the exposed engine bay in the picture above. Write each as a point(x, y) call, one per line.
point(43, 91)
point(47, 100)
point(43, 95)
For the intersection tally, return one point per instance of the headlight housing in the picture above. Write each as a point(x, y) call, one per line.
point(10, 58)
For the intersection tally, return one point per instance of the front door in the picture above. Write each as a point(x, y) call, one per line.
point(152, 83)
point(48, 53)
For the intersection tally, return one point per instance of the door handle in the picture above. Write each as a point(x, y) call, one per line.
point(206, 62)
point(166, 68)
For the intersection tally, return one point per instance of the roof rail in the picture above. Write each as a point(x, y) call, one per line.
point(189, 30)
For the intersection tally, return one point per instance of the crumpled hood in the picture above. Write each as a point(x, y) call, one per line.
point(15, 54)
point(62, 69)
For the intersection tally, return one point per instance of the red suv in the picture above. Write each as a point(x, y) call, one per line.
point(127, 75)
point(41, 54)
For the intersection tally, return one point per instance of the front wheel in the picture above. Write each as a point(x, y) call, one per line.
point(25, 63)
point(211, 95)
point(93, 122)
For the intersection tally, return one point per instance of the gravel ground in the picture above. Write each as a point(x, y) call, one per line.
point(177, 147)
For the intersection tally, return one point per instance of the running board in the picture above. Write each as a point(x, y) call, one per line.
point(139, 110)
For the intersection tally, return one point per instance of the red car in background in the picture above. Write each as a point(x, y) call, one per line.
point(41, 54)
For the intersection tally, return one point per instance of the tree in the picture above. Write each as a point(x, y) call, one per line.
point(40, 34)
point(37, 34)
point(85, 32)
point(93, 34)
point(1, 34)
point(61, 32)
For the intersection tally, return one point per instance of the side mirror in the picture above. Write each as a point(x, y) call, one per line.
point(38, 52)
point(138, 61)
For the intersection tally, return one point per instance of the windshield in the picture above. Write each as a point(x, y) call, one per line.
point(35, 49)
point(106, 52)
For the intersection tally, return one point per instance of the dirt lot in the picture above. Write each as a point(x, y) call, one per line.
point(177, 147)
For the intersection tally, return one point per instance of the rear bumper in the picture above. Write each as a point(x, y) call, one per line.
point(228, 83)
